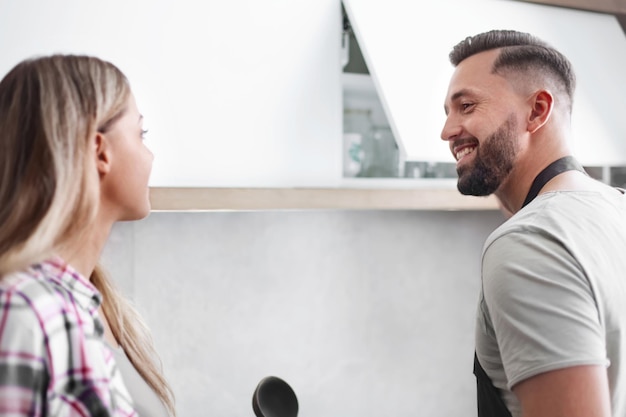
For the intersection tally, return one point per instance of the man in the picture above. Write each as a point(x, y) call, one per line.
point(551, 321)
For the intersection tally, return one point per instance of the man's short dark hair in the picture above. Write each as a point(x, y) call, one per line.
point(520, 52)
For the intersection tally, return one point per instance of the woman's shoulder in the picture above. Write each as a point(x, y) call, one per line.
point(27, 303)
point(36, 301)
point(31, 289)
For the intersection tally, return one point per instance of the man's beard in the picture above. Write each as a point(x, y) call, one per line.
point(493, 161)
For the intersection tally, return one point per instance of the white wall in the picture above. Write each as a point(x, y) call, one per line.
point(364, 313)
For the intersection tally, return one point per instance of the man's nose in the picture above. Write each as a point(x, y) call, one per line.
point(451, 129)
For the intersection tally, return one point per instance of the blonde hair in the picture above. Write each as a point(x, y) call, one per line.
point(50, 109)
point(133, 336)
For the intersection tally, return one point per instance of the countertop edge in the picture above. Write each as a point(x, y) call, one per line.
point(216, 199)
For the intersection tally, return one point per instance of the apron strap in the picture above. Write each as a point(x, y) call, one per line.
point(490, 403)
point(567, 163)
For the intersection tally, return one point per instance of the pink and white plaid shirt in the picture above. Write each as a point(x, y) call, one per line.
point(53, 358)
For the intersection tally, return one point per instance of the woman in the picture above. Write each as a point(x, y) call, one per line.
point(72, 163)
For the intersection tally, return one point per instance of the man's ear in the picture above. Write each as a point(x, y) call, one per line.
point(102, 154)
point(541, 103)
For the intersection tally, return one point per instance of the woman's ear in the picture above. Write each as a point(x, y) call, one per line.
point(541, 103)
point(103, 154)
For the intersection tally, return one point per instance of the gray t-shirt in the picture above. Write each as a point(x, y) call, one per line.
point(554, 292)
point(145, 401)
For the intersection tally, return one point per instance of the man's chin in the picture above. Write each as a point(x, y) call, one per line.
point(469, 192)
point(476, 189)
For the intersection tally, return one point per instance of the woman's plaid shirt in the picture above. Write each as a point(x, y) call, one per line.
point(53, 358)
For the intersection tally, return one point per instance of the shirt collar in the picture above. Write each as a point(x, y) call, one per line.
point(84, 292)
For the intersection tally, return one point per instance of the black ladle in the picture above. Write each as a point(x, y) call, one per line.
point(273, 397)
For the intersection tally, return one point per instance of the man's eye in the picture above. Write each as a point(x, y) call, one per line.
point(466, 106)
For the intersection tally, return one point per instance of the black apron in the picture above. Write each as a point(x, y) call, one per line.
point(490, 403)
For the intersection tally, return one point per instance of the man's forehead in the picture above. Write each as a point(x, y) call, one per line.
point(475, 72)
point(482, 62)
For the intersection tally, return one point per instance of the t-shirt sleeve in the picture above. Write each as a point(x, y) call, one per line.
point(542, 306)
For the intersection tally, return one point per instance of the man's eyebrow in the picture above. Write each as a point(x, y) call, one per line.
point(460, 93)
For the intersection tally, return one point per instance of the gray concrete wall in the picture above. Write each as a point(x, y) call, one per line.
point(364, 313)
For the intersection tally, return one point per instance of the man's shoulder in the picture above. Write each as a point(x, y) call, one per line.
point(580, 223)
point(557, 209)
